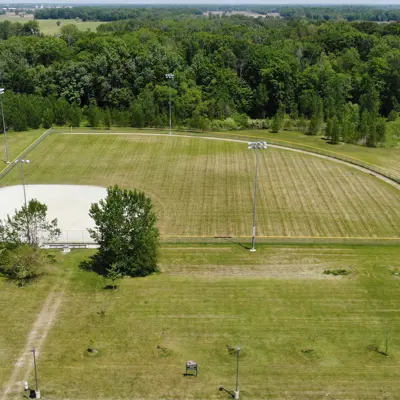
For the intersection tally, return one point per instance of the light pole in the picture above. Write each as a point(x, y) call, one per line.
point(256, 146)
point(22, 162)
point(237, 373)
point(170, 77)
point(4, 127)
point(37, 392)
point(235, 394)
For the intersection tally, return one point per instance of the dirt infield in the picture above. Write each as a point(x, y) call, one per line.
point(68, 203)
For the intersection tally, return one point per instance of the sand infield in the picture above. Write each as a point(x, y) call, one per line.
point(68, 203)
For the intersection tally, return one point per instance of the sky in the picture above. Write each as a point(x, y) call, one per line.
point(213, 2)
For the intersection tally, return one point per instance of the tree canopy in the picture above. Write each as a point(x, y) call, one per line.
point(125, 229)
point(225, 67)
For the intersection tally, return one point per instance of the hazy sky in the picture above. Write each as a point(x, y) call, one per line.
point(214, 2)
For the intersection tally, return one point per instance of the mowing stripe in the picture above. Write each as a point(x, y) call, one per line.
point(24, 152)
point(377, 174)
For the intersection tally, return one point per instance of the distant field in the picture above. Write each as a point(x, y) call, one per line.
point(49, 26)
point(205, 187)
point(304, 335)
point(16, 18)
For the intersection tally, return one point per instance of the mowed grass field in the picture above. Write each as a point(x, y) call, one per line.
point(303, 334)
point(386, 159)
point(204, 188)
point(17, 142)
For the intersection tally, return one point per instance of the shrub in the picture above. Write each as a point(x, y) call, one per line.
point(336, 272)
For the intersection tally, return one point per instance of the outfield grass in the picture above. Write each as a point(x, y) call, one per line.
point(17, 142)
point(205, 187)
point(303, 334)
point(386, 160)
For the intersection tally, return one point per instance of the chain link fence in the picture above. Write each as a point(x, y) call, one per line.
point(10, 166)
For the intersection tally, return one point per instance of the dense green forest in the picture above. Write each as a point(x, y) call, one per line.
point(334, 77)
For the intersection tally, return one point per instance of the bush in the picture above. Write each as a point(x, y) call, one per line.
point(224, 125)
point(242, 120)
point(336, 272)
point(23, 263)
point(258, 123)
point(393, 115)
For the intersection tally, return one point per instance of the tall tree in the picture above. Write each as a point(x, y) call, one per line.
point(125, 229)
point(29, 224)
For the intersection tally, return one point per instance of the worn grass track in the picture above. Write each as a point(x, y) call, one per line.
point(205, 188)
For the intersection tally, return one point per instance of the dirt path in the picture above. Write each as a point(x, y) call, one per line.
point(360, 168)
point(36, 338)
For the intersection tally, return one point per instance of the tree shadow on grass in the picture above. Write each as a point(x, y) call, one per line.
point(231, 240)
point(94, 264)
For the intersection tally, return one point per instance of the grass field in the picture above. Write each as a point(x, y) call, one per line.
point(205, 187)
point(49, 26)
point(303, 334)
point(385, 159)
point(17, 142)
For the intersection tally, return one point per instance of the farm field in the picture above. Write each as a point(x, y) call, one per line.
point(303, 334)
point(204, 188)
point(17, 142)
point(49, 26)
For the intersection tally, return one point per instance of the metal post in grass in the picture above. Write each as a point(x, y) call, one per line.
point(170, 77)
point(4, 126)
point(37, 392)
point(256, 146)
point(235, 393)
point(237, 373)
point(23, 162)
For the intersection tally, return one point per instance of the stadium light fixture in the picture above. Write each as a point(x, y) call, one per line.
point(170, 77)
point(255, 146)
point(4, 126)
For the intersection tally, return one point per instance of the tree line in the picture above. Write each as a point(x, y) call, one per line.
point(316, 13)
point(333, 77)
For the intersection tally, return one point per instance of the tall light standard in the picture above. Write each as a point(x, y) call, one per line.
point(237, 373)
point(37, 392)
point(256, 146)
point(4, 127)
point(235, 394)
point(170, 77)
point(23, 162)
